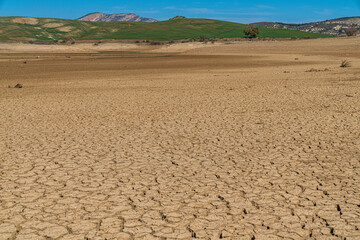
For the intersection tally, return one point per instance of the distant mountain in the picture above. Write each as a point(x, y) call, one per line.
point(333, 27)
point(124, 17)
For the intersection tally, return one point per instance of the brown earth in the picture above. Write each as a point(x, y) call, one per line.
point(53, 25)
point(65, 29)
point(184, 141)
point(24, 20)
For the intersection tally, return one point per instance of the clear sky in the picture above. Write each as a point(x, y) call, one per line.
point(235, 11)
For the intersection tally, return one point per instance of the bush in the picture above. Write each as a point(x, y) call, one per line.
point(351, 31)
point(345, 63)
point(203, 39)
point(251, 31)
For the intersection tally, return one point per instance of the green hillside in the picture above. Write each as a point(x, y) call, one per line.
point(41, 29)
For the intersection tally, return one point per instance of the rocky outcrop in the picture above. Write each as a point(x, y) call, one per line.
point(124, 17)
point(334, 27)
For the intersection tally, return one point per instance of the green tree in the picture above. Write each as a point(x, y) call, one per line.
point(251, 31)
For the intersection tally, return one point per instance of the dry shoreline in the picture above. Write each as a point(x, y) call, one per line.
point(253, 140)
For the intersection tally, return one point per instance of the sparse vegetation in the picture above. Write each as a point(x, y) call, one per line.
point(318, 70)
point(351, 31)
point(203, 38)
point(251, 31)
point(345, 63)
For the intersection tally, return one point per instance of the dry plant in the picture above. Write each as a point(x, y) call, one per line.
point(345, 63)
point(351, 31)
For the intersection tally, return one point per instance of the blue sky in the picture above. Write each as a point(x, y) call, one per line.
point(235, 11)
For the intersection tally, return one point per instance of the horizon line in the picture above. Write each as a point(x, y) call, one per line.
point(77, 19)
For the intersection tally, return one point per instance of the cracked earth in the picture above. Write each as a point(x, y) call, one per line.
point(218, 142)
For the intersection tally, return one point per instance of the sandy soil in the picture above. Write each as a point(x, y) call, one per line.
point(76, 48)
point(236, 141)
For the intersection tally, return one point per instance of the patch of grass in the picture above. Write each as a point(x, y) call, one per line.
point(177, 29)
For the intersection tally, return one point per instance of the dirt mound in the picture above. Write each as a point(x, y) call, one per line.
point(53, 25)
point(31, 21)
point(177, 17)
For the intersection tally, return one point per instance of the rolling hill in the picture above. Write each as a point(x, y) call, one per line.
point(44, 29)
point(330, 27)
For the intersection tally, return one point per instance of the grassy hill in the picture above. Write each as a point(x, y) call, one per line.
point(42, 29)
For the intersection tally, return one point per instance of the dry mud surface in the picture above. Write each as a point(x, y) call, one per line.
point(223, 141)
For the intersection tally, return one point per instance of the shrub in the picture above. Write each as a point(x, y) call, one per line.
point(203, 38)
point(351, 31)
point(345, 63)
point(251, 31)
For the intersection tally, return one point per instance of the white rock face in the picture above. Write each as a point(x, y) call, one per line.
point(124, 17)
